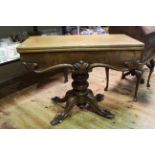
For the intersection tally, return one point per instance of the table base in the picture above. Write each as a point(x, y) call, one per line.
point(80, 95)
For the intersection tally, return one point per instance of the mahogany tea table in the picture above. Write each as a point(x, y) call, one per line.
point(81, 54)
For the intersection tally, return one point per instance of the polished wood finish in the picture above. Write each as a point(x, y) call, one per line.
point(114, 50)
point(80, 95)
point(81, 54)
point(79, 43)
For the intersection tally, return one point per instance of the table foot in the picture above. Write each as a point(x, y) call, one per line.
point(58, 99)
point(95, 108)
point(83, 101)
point(71, 101)
point(58, 119)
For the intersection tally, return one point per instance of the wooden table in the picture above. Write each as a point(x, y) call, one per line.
point(81, 54)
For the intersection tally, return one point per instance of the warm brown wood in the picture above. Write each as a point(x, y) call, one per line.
point(81, 54)
point(52, 50)
point(80, 95)
point(79, 43)
point(112, 58)
point(119, 51)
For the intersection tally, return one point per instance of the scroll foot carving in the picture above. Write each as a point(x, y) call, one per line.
point(95, 108)
point(69, 105)
point(58, 99)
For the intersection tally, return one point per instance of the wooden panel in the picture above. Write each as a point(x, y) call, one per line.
point(113, 58)
point(79, 43)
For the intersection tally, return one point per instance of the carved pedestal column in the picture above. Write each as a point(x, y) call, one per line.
point(80, 95)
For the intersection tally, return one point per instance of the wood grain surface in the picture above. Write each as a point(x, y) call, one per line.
point(48, 51)
point(32, 107)
point(79, 43)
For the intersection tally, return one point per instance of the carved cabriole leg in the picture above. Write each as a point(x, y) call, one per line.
point(151, 67)
point(138, 74)
point(107, 78)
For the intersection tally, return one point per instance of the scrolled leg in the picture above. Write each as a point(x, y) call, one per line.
point(94, 107)
point(71, 101)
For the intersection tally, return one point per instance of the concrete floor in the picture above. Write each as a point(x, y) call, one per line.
point(32, 107)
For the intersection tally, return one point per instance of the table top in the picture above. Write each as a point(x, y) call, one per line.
point(79, 43)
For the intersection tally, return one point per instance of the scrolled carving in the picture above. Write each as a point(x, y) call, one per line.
point(81, 67)
point(31, 66)
point(80, 94)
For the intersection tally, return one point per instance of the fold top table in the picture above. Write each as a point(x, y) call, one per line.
point(80, 43)
point(52, 50)
point(81, 54)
